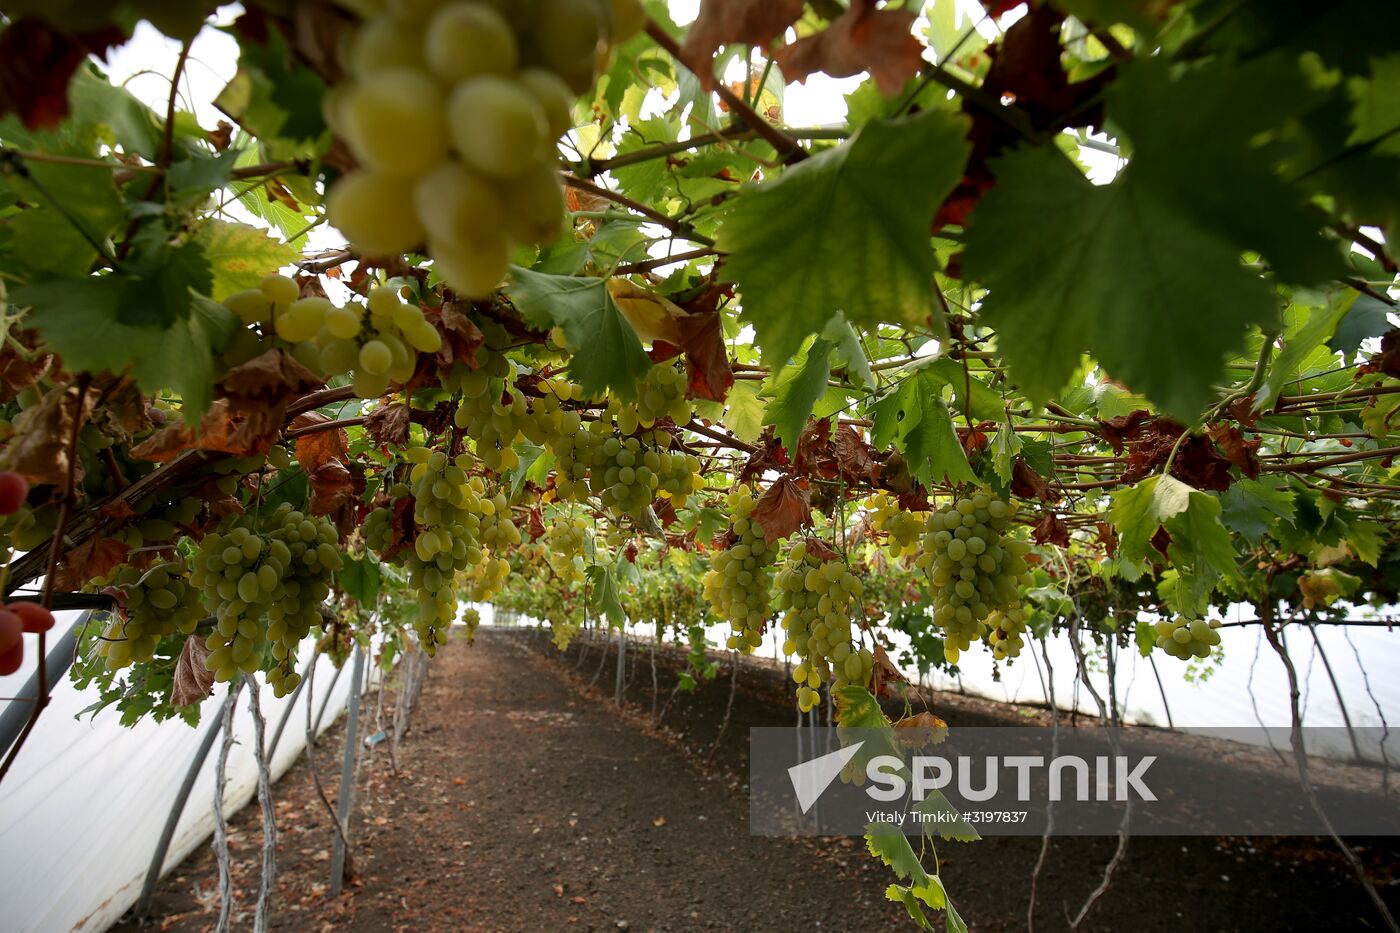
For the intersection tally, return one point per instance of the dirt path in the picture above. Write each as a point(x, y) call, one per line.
point(526, 806)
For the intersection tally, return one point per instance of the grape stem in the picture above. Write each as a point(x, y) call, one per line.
point(679, 227)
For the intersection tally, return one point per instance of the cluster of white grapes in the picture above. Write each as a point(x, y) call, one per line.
point(1187, 638)
point(377, 343)
point(447, 511)
point(973, 567)
point(265, 586)
point(739, 582)
point(903, 529)
point(565, 541)
point(497, 415)
point(451, 109)
point(156, 604)
point(624, 471)
point(819, 599)
point(661, 394)
point(1006, 631)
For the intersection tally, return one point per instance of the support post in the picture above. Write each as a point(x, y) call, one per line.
point(347, 774)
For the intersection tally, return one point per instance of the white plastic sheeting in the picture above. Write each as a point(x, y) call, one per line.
point(84, 804)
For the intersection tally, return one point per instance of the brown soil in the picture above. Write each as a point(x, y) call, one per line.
point(527, 802)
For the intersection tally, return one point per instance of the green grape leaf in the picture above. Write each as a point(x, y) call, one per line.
point(607, 354)
point(1367, 317)
point(945, 819)
point(1250, 507)
point(1142, 15)
point(1063, 257)
point(1145, 637)
point(115, 112)
point(795, 391)
point(1376, 113)
point(969, 392)
point(1316, 328)
point(1201, 548)
point(163, 284)
point(744, 416)
point(855, 221)
point(1140, 510)
point(79, 320)
point(849, 351)
point(1005, 446)
point(603, 597)
point(1364, 539)
point(915, 419)
point(240, 255)
point(359, 578)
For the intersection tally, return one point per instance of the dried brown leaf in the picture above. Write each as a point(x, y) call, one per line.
point(724, 22)
point(388, 425)
point(861, 39)
point(193, 681)
point(784, 508)
point(318, 448)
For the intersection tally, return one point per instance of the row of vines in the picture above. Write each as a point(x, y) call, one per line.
point(608, 338)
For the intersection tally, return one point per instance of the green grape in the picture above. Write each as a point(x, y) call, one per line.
point(566, 541)
point(381, 42)
point(739, 580)
point(818, 599)
point(904, 529)
point(467, 39)
point(497, 126)
point(973, 567)
point(395, 122)
point(375, 212)
point(566, 39)
point(1006, 630)
point(343, 323)
point(156, 604)
point(279, 289)
point(537, 206)
point(556, 98)
point(1187, 638)
point(459, 205)
point(376, 357)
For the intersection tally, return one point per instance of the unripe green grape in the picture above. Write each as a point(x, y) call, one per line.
point(279, 289)
point(370, 385)
point(343, 323)
point(555, 96)
point(382, 42)
point(566, 38)
point(339, 356)
point(459, 206)
point(394, 122)
point(474, 271)
point(251, 306)
point(537, 206)
point(375, 212)
point(466, 39)
point(497, 126)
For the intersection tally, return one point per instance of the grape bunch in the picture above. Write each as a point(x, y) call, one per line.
point(1187, 638)
point(565, 541)
point(471, 618)
point(973, 567)
point(156, 604)
point(738, 584)
point(1007, 628)
point(903, 528)
point(447, 512)
point(265, 586)
point(661, 394)
point(377, 343)
point(452, 109)
point(625, 472)
point(819, 599)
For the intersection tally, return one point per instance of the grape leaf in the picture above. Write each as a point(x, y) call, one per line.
point(855, 221)
point(1063, 258)
point(603, 594)
point(608, 355)
point(1249, 507)
point(795, 391)
point(745, 415)
point(1005, 446)
point(1139, 511)
point(1377, 106)
point(360, 579)
point(1200, 548)
point(240, 255)
point(79, 320)
point(1367, 317)
point(1314, 327)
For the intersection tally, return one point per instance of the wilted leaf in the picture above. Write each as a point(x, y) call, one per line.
point(1243, 453)
point(861, 39)
point(782, 509)
point(1051, 529)
point(37, 60)
point(1028, 484)
point(920, 729)
point(747, 22)
point(883, 673)
point(42, 434)
point(318, 448)
point(388, 425)
point(654, 317)
point(193, 681)
point(461, 338)
point(331, 486)
point(95, 557)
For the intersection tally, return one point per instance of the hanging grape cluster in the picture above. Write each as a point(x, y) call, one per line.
point(819, 600)
point(903, 528)
point(156, 604)
point(565, 540)
point(452, 110)
point(1187, 638)
point(739, 582)
point(973, 567)
point(265, 586)
point(376, 344)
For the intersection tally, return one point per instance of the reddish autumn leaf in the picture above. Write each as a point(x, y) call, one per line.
point(1162, 540)
point(706, 357)
point(1108, 537)
point(725, 22)
point(318, 448)
point(853, 455)
point(1051, 529)
point(1197, 461)
point(388, 425)
point(536, 528)
point(461, 338)
point(768, 454)
point(1117, 431)
point(920, 729)
point(193, 681)
point(273, 375)
point(37, 61)
point(819, 549)
point(331, 486)
point(43, 434)
point(95, 557)
point(16, 372)
point(220, 431)
point(1243, 453)
point(815, 455)
point(785, 507)
point(1026, 483)
point(861, 39)
point(883, 672)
